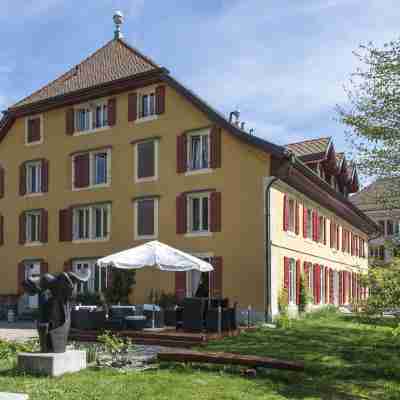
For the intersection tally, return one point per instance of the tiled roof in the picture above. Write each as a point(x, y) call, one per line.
point(115, 60)
point(381, 194)
point(309, 147)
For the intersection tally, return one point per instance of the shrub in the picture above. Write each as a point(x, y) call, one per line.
point(116, 346)
point(283, 301)
point(121, 286)
point(9, 350)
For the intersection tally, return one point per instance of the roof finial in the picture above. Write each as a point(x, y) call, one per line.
point(118, 19)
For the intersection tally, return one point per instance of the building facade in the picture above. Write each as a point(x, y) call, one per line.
point(377, 201)
point(117, 152)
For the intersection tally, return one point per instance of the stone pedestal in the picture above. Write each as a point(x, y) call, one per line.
point(52, 364)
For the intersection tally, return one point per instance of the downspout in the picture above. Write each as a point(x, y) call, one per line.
point(268, 298)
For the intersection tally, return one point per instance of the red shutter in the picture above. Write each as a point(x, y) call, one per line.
point(68, 266)
point(69, 121)
point(340, 287)
point(326, 270)
point(216, 277)
point(304, 222)
point(21, 277)
point(331, 299)
point(285, 213)
point(180, 285)
point(1, 230)
point(44, 267)
point(315, 283)
point(160, 99)
point(298, 275)
point(331, 233)
point(45, 176)
point(318, 284)
point(181, 155)
point(305, 269)
point(112, 111)
point(337, 237)
point(81, 170)
point(286, 262)
point(352, 244)
point(22, 179)
point(215, 146)
point(215, 211)
point(44, 226)
point(22, 229)
point(1, 182)
point(297, 218)
point(132, 107)
point(65, 225)
point(315, 225)
point(181, 211)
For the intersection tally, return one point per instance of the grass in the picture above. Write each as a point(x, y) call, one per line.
point(344, 360)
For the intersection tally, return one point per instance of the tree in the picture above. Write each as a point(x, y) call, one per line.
point(383, 282)
point(121, 285)
point(373, 117)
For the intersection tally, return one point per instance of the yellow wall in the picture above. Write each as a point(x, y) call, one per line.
point(240, 180)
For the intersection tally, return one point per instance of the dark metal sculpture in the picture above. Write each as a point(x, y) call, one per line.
point(55, 294)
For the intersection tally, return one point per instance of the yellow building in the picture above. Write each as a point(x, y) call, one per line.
point(117, 152)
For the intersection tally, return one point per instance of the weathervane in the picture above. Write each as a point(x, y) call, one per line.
point(118, 19)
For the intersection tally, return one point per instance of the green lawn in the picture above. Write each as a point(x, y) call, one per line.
point(344, 360)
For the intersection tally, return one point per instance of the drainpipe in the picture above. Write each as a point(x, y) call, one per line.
point(267, 287)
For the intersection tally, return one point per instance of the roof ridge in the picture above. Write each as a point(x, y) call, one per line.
point(62, 77)
point(309, 140)
point(138, 52)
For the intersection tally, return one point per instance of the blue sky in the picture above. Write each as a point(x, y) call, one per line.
point(282, 62)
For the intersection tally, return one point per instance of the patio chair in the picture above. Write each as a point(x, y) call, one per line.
point(193, 314)
point(116, 319)
point(228, 319)
point(147, 310)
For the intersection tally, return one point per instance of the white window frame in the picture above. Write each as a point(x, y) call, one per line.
point(32, 269)
point(156, 158)
point(136, 221)
point(91, 225)
point(292, 282)
point(291, 204)
point(311, 279)
point(201, 133)
point(321, 230)
point(91, 264)
point(28, 236)
point(147, 91)
point(91, 108)
point(37, 142)
point(189, 290)
point(92, 169)
point(28, 177)
point(189, 198)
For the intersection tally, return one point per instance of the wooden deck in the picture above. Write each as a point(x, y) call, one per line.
point(230, 359)
point(161, 337)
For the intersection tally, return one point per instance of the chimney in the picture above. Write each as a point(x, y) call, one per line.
point(236, 114)
point(242, 125)
point(118, 19)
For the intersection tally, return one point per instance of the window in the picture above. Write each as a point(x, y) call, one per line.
point(198, 283)
point(92, 222)
point(321, 229)
point(147, 105)
point(32, 270)
point(98, 276)
point(389, 227)
point(146, 218)
point(291, 215)
point(146, 161)
point(198, 149)
point(198, 212)
point(32, 226)
point(396, 229)
point(309, 233)
point(33, 130)
point(322, 284)
point(33, 177)
point(310, 278)
point(292, 281)
point(91, 169)
point(91, 117)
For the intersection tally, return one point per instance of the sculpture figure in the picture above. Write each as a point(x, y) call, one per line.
point(55, 294)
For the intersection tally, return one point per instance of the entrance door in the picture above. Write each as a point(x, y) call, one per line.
point(32, 270)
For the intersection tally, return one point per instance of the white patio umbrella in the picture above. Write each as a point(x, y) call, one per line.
point(158, 255)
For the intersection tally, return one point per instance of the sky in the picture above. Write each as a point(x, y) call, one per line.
point(283, 63)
